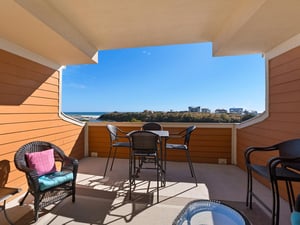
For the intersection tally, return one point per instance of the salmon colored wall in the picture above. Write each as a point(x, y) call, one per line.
point(29, 98)
point(283, 122)
point(206, 144)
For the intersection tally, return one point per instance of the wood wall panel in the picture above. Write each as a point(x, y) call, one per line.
point(292, 96)
point(284, 88)
point(206, 144)
point(45, 101)
point(284, 111)
point(7, 118)
point(29, 98)
point(29, 109)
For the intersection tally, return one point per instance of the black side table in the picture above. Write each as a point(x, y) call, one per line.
point(5, 193)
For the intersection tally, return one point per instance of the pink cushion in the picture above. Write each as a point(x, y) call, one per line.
point(43, 162)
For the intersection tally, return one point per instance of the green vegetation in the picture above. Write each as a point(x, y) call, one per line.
point(150, 116)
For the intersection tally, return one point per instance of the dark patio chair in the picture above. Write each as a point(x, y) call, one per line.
point(284, 167)
point(184, 137)
point(152, 126)
point(47, 182)
point(143, 144)
point(115, 134)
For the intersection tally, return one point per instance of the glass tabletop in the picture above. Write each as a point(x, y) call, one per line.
point(209, 212)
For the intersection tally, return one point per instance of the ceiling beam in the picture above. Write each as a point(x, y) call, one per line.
point(53, 19)
point(232, 26)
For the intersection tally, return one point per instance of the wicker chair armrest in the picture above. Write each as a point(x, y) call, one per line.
point(70, 163)
point(32, 179)
point(28, 171)
point(250, 150)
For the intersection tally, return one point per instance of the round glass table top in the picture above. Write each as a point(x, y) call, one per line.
point(208, 212)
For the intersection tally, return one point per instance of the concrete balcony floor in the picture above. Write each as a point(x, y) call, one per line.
point(105, 200)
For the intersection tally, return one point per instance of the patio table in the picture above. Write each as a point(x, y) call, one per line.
point(210, 212)
point(5, 193)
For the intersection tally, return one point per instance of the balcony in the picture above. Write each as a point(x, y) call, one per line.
point(104, 201)
point(30, 100)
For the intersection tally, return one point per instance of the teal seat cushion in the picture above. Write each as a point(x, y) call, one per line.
point(295, 218)
point(54, 179)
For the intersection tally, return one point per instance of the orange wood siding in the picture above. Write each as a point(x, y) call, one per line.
point(29, 98)
point(207, 145)
point(284, 110)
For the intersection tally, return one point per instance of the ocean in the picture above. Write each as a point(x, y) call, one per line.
point(86, 116)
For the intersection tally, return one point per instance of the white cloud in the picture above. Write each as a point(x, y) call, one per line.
point(146, 52)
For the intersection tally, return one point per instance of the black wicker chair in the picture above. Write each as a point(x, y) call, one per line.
point(284, 167)
point(184, 138)
point(61, 183)
point(115, 134)
point(143, 144)
point(152, 126)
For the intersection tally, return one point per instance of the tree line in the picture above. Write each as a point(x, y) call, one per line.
point(150, 116)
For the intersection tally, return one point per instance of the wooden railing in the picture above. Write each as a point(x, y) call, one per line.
point(210, 143)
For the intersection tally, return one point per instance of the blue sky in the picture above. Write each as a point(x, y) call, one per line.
point(165, 78)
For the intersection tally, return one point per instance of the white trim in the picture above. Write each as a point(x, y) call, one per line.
point(69, 118)
point(265, 114)
point(61, 114)
point(167, 124)
point(254, 120)
point(284, 47)
point(18, 50)
point(60, 71)
point(278, 50)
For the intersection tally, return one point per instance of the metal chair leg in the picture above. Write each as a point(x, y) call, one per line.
point(290, 193)
point(73, 191)
point(276, 203)
point(130, 176)
point(188, 156)
point(250, 192)
point(248, 188)
point(107, 161)
point(157, 177)
point(113, 159)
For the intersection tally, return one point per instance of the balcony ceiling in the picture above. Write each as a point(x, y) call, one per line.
point(72, 31)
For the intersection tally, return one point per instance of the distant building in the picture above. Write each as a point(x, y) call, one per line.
point(205, 110)
point(219, 111)
point(250, 112)
point(194, 109)
point(236, 110)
